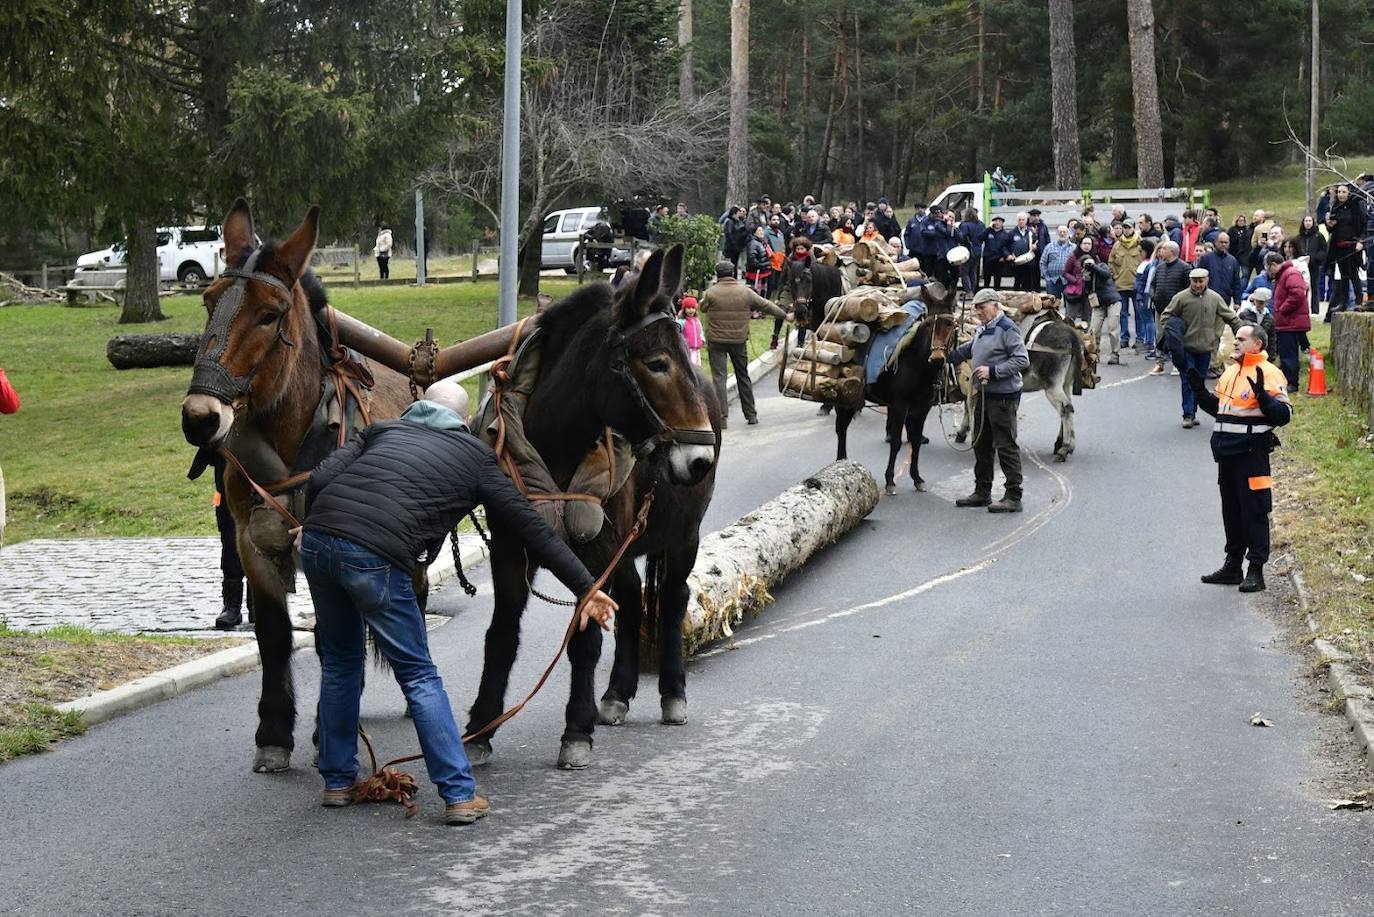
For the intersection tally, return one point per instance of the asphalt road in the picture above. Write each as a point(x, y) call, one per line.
point(949, 712)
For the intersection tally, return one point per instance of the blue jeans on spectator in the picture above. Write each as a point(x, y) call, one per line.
point(352, 586)
point(1054, 287)
point(1201, 362)
point(1145, 326)
point(1287, 346)
point(1127, 300)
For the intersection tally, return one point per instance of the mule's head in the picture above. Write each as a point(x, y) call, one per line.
point(247, 351)
point(659, 401)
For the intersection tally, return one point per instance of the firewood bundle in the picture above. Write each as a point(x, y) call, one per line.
point(829, 366)
point(875, 266)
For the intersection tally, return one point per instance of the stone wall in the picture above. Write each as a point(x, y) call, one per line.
point(1352, 359)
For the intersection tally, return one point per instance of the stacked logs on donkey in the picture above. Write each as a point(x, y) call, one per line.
point(828, 366)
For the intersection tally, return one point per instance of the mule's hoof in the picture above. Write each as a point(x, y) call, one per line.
point(271, 759)
point(1061, 456)
point(920, 485)
point(674, 711)
point(574, 756)
point(960, 437)
point(478, 753)
point(612, 712)
point(890, 489)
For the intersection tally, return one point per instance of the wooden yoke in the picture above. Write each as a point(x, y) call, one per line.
point(424, 363)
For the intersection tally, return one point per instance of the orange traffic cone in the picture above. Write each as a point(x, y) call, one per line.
point(1316, 372)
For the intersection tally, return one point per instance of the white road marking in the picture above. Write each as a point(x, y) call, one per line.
point(992, 553)
point(1144, 375)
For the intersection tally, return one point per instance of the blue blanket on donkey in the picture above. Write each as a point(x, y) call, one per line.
point(882, 344)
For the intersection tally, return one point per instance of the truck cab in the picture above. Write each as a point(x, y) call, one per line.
point(1058, 207)
point(192, 255)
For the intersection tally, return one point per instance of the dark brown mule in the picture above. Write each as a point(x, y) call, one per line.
point(614, 359)
point(255, 391)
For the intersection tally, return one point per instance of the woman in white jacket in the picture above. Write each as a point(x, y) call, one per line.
point(383, 252)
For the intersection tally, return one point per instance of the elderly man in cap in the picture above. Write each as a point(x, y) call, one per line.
point(377, 510)
point(1194, 318)
point(999, 357)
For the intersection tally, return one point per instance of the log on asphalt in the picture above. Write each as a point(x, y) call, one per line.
point(143, 351)
point(737, 566)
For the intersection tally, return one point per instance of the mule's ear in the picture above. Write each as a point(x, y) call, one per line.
point(239, 237)
point(670, 281)
point(294, 253)
point(646, 286)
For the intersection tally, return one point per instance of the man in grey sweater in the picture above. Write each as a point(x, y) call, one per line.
point(999, 357)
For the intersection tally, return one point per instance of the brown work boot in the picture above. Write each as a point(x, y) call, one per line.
point(333, 799)
point(465, 813)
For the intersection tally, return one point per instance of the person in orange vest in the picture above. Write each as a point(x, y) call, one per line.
point(1250, 401)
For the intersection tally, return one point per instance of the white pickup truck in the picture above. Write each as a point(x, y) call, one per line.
point(1058, 207)
point(188, 254)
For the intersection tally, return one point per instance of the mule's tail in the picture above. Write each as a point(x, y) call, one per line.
point(1076, 366)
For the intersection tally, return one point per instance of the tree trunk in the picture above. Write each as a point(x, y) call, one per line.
point(141, 277)
point(805, 111)
point(142, 351)
point(737, 566)
point(531, 255)
point(737, 155)
point(1122, 164)
point(1068, 163)
point(686, 79)
point(1149, 132)
point(861, 194)
point(980, 62)
point(1315, 107)
point(836, 80)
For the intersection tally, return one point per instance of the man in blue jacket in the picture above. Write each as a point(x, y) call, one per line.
point(970, 235)
point(999, 358)
point(911, 236)
point(938, 235)
point(996, 253)
point(378, 509)
point(1223, 270)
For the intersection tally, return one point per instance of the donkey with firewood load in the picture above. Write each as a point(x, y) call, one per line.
point(610, 362)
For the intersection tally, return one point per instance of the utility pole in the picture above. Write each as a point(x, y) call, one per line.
point(510, 169)
point(1316, 100)
point(419, 217)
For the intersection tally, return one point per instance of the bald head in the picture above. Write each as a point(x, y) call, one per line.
point(450, 394)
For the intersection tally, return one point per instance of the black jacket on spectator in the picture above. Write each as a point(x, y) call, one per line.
point(399, 487)
point(1171, 278)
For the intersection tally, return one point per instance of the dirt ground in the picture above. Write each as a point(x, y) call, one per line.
point(51, 670)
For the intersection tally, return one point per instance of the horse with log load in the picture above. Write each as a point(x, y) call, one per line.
point(281, 379)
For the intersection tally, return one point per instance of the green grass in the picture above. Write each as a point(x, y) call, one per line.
point(98, 452)
point(1324, 479)
point(34, 727)
point(76, 635)
point(1282, 191)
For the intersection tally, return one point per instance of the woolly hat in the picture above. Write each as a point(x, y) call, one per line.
point(689, 302)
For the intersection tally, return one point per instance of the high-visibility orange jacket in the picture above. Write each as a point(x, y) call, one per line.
point(1244, 421)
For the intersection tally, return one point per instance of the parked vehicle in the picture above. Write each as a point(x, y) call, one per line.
point(993, 198)
point(188, 254)
point(562, 242)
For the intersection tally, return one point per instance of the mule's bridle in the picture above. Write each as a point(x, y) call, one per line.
point(210, 376)
point(617, 340)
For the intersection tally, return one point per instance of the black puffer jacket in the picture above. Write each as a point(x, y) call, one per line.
point(1171, 278)
point(399, 487)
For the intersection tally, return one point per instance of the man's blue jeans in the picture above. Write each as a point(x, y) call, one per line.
point(1054, 287)
point(1201, 362)
point(1127, 301)
point(352, 586)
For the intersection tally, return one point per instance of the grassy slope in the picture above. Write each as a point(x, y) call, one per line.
point(98, 452)
point(1324, 480)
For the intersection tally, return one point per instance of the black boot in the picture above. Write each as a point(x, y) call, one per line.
point(1228, 575)
point(1254, 578)
point(1010, 503)
point(232, 615)
point(977, 498)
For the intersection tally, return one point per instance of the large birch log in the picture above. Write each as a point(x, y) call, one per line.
point(142, 351)
point(845, 332)
point(823, 352)
point(844, 392)
point(859, 306)
point(737, 566)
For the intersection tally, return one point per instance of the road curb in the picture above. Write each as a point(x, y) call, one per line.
point(180, 679)
point(1357, 702)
